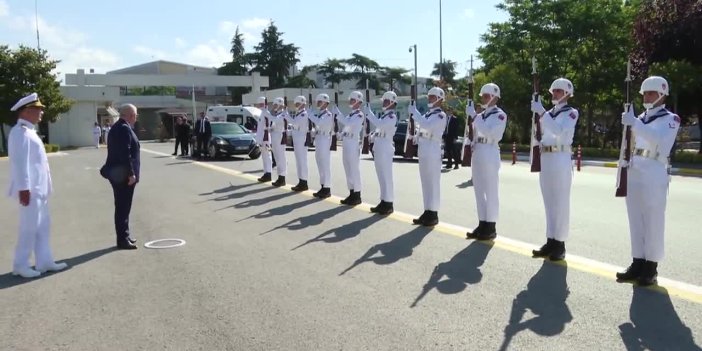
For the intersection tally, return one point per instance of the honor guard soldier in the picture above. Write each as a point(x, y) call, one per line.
point(277, 118)
point(654, 133)
point(30, 185)
point(324, 126)
point(384, 150)
point(488, 126)
point(350, 136)
point(297, 123)
point(265, 145)
point(431, 128)
point(556, 177)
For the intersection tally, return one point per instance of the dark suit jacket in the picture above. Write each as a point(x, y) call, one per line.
point(452, 132)
point(208, 127)
point(122, 154)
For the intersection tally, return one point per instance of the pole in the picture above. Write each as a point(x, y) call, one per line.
point(36, 20)
point(415, 64)
point(580, 156)
point(194, 111)
point(514, 153)
point(441, 46)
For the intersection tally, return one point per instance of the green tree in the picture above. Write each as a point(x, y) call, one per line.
point(301, 80)
point(392, 75)
point(238, 66)
point(333, 71)
point(448, 68)
point(363, 67)
point(274, 58)
point(24, 71)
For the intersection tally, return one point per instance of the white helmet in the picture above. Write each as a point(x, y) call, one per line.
point(438, 92)
point(322, 98)
point(563, 84)
point(300, 100)
point(356, 95)
point(261, 100)
point(279, 101)
point(490, 88)
point(655, 83)
point(390, 96)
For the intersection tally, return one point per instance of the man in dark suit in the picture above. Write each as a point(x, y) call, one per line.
point(450, 150)
point(122, 170)
point(203, 132)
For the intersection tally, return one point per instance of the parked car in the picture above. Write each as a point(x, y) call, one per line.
point(229, 138)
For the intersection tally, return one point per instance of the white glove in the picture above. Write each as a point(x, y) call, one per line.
point(628, 117)
point(470, 110)
point(336, 111)
point(413, 111)
point(367, 109)
point(623, 163)
point(537, 107)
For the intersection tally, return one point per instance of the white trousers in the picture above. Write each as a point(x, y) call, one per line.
point(281, 163)
point(96, 140)
point(645, 204)
point(352, 162)
point(322, 156)
point(429, 155)
point(383, 153)
point(35, 225)
point(485, 169)
point(267, 161)
point(300, 155)
point(556, 178)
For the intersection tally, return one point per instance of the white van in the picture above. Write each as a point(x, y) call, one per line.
point(247, 116)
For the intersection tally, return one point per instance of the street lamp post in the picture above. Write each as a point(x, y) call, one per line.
point(413, 48)
point(441, 47)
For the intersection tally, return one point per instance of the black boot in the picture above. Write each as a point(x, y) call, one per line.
point(279, 182)
point(386, 209)
point(323, 193)
point(346, 200)
point(489, 232)
point(431, 219)
point(632, 272)
point(265, 178)
point(421, 218)
point(476, 232)
point(649, 274)
point(354, 199)
point(558, 252)
point(545, 250)
point(377, 209)
point(301, 186)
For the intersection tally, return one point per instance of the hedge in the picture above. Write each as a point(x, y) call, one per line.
point(593, 152)
point(51, 148)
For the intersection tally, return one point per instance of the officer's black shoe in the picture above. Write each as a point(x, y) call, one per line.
point(421, 218)
point(431, 219)
point(649, 274)
point(346, 200)
point(265, 178)
point(174, 154)
point(456, 166)
point(326, 192)
point(545, 250)
point(354, 199)
point(377, 209)
point(125, 245)
point(558, 252)
point(489, 232)
point(476, 232)
point(301, 186)
point(131, 240)
point(632, 272)
point(386, 209)
point(279, 182)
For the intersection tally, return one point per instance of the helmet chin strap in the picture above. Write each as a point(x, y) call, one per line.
point(433, 104)
point(651, 105)
point(485, 106)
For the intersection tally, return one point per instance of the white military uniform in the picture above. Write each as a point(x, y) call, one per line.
point(653, 138)
point(278, 145)
point(97, 131)
point(488, 127)
point(556, 177)
point(431, 128)
point(29, 170)
point(384, 150)
point(298, 124)
point(352, 125)
point(324, 127)
point(265, 145)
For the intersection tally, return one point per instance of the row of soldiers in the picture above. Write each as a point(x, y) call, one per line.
point(654, 133)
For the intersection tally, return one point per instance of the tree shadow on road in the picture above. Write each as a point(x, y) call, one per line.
point(545, 296)
point(654, 323)
point(393, 250)
point(280, 210)
point(7, 280)
point(461, 270)
point(344, 232)
point(310, 220)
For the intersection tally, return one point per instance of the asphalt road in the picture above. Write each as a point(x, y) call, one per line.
point(267, 269)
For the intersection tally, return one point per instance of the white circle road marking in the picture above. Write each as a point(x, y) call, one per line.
point(151, 244)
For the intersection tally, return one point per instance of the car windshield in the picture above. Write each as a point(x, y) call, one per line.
point(227, 129)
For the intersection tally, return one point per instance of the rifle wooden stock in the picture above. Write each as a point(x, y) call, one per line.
point(468, 133)
point(332, 147)
point(410, 147)
point(308, 138)
point(266, 137)
point(366, 130)
point(625, 154)
point(284, 139)
point(536, 127)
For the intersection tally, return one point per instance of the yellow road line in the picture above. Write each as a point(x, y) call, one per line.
point(689, 292)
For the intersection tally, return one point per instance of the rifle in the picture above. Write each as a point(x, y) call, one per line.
point(535, 124)
point(308, 138)
point(332, 147)
point(468, 132)
point(284, 139)
point(625, 150)
point(265, 119)
point(366, 127)
point(410, 146)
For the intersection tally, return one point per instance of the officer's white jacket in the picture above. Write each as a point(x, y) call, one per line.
point(490, 124)
point(97, 130)
point(277, 121)
point(323, 121)
point(385, 125)
point(432, 125)
point(29, 166)
point(558, 125)
point(261, 127)
point(353, 123)
point(298, 122)
point(655, 130)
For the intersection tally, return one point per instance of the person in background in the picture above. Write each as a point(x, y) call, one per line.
point(97, 132)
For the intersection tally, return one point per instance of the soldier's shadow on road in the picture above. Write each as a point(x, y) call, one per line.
point(229, 188)
point(260, 201)
point(393, 250)
point(654, 323)
point(460, 271)
point(467, 184)
point(7, 280)
point(545, 296)
point(344, 232)
point(312, 220)
point(280, 210)
point(237, 195)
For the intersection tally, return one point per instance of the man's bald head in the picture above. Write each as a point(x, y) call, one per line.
point(128, 112)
